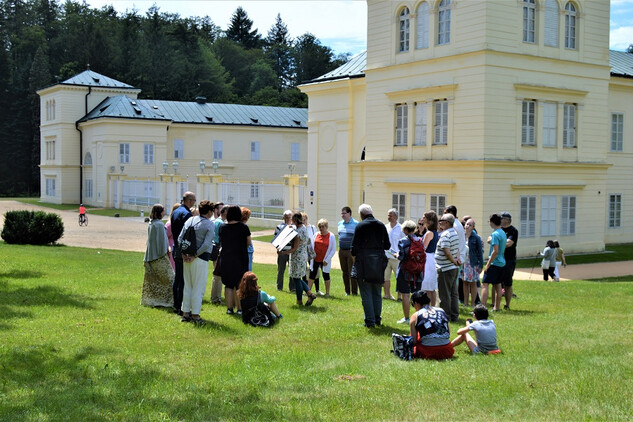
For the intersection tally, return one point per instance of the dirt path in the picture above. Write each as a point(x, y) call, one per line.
point(130, 233)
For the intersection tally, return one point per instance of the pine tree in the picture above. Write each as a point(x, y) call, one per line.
point(39, 77)
point(240, 30)
point(279, 52)
point(311, 58)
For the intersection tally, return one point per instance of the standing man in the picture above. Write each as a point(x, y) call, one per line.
point(282, 259)
point(510, 255)
point(461, 234)
point(394, 229)
point(368, 246)
point(447, 262)
point(216, 286)
point(346, 229)
point(178, 219)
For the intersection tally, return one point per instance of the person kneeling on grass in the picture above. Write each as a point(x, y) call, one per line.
point(429, 328)
point(485, 333)
point(250, 295)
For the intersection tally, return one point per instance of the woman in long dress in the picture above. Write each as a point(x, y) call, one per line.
point(299, 259)
point(159, 275)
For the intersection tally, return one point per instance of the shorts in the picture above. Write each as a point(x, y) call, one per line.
point(434, 352)
point(494, 275)
point(508, 272)
point(406, 286)
point(392, 265)
point(315, 271)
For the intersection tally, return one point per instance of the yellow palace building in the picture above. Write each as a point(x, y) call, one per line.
point(491, 105)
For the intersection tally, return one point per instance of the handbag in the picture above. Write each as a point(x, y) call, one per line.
point(215, 252)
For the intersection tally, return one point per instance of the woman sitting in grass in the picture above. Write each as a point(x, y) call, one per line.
point(429, 329)
point(251, 296)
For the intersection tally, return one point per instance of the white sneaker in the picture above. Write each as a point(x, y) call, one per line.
point(320, 293)
point(404, 321)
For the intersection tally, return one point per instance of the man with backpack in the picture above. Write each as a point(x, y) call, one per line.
point(178, 219)
point(410, 272)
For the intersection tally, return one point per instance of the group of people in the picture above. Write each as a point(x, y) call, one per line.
point(177, 279)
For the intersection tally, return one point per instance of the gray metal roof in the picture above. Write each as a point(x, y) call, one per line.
point(90, 78)
point(354, 68)
point(124, 107)
point(621, 63)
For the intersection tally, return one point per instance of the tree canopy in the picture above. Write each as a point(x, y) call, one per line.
point(165, 55)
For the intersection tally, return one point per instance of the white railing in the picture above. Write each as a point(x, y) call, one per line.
point(140, 192)
point(265, 200)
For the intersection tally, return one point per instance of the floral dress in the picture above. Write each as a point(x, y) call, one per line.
point(299, 259)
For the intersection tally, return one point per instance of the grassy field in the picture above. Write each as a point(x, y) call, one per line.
point(76, 345)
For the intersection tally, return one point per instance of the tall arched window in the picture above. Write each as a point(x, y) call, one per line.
point(529, 20)
point(87, 159)
point(444, 22)
point(551, 23)
point(570, 26)
point(422, 26)
point(403, 30)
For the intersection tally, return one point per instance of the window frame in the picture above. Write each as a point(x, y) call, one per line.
point(88, 185)
point(527, 216)
point(254, 191)
point(435, 203)
point(124, 153)
point(148, 153)
point(617, 132)
point(571, 26)
point(421, 124)
point(295, 151)
point(528, 123)
point(422, 26)
point(401, 136)
point(568, 215)
point(399, 202)
point(218, 149)
point(179, 149)
point(404, 30)
point(529, 17)
point(50, 150)
point(550, 133)
point(444, 22)
point(570, 125)
point(549, 214)
point(614, 216)
point(442, 124)
point(255, 151)
point(50, 186)
point(552, 23)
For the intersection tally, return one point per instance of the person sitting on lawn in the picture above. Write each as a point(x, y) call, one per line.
point(429, 328)
point(485, 333)
point(248, 293)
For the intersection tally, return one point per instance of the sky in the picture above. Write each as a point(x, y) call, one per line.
point(338, 24)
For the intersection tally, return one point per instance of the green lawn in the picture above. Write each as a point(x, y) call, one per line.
point(623, 252)
point(76, 345)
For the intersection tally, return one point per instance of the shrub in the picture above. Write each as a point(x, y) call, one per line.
point(32, 227)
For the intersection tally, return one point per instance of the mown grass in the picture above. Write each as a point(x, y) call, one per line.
point(613, 253)
point(76, 345)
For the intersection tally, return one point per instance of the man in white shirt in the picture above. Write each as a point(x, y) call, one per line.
point(461, 235)
point(394, 229)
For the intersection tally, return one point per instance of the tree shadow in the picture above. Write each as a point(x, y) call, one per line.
point(20, 274)
point(621, 279)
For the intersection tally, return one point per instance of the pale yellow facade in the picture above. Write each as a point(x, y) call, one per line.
point(149, 144)
point(446, 123)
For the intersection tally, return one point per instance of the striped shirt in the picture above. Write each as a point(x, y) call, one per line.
point(346, 233)
point(448, 239)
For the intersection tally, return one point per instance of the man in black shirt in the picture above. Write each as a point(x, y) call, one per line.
point(510, 255)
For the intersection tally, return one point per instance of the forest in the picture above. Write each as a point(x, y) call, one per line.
point(167, 56)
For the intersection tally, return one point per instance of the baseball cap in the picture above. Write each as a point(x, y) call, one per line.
point(506, 214)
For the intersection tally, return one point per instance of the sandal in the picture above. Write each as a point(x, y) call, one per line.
point(311, 298)
point(198, 321)
point(185, 318)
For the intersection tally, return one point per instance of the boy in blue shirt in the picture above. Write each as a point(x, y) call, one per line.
point(485, 333)
point(493, 272)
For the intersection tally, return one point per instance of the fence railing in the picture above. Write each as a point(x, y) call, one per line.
point(140, 192)
point(265, 200)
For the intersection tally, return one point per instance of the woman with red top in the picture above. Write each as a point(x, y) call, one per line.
point(324, 245)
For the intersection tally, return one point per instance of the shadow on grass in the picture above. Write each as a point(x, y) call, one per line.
point(15, 274)
point(621, 279)
point(50, 383)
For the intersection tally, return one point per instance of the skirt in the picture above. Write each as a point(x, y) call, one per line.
point(157, 284)
point(429, 283)
point(470, 273)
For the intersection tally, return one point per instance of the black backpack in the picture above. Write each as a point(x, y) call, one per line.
point(189, 245)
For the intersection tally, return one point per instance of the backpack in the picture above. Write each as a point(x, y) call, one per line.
point(189, 245)
point(259, 315)
point(413, 265)
point(402, 346)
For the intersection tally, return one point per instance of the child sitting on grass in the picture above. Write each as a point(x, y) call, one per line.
point(485, 333)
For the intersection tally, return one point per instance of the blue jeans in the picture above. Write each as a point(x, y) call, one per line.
point(370, 295)
point(301, 286)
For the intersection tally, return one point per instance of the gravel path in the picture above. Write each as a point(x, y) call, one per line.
point(130, 233)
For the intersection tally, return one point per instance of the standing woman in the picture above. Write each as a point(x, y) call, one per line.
point(549, 260)
point(560, 259)
point(159, 274)
point(196, 267)
point(324, 245)
point(299, 259)
point(246, 214)
point(312, 231)
point(233, 262)
point(429, 283)
point(474, 263)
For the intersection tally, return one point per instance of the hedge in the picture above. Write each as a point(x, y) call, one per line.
point(32, 227)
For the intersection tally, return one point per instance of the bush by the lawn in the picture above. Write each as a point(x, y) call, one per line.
point(32, 227)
